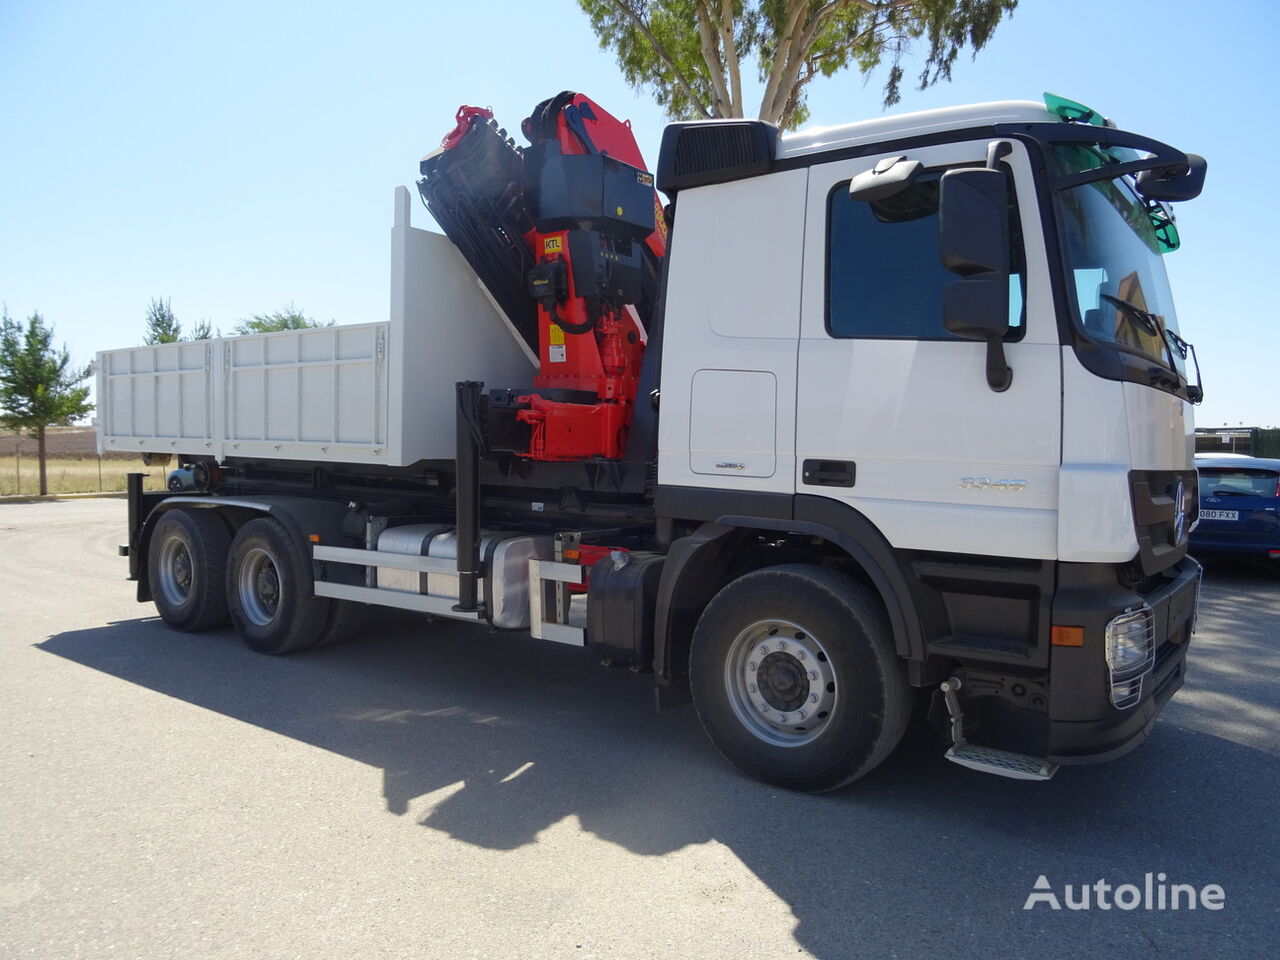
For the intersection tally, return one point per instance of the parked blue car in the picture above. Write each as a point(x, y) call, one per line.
point(1239, 507)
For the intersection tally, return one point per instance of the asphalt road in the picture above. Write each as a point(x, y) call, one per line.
point(435, 791)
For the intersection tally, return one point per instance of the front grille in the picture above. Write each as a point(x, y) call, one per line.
point(1155, 515)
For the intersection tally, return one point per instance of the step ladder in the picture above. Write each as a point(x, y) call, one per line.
point(1001, 763)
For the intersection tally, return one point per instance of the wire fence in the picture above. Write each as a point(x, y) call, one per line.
point(72, 465)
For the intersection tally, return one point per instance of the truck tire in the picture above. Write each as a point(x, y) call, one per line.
point(186, 563)
point(795, 678)
point(346, 617)
point(270, 591)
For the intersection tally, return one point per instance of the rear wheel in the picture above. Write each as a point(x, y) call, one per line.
point(270, 592)
point(186, 563)
point(795, 678)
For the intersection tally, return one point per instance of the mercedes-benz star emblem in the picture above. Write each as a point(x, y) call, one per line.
point(1179, 513)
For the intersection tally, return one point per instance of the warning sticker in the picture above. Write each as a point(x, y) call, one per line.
point(555, 335)
point(552, 244)
point(556, 354)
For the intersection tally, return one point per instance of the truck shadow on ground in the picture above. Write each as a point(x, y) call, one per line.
point(919, 854)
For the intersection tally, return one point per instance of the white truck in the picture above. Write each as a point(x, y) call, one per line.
point(866, 419)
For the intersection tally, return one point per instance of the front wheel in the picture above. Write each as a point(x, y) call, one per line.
point(795, 678)
point(270, 592)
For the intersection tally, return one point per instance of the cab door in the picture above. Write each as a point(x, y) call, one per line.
point(894, 415)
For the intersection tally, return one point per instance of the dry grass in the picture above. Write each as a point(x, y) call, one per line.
point(87, 475)
point(73, 464)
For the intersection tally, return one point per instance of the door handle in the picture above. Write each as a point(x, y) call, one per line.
point(829, 473)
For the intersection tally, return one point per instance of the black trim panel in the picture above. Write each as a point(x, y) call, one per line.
point(699, 152)
point(694, 571)
point(1155, 510)
point(816, 516)
point(710, 503)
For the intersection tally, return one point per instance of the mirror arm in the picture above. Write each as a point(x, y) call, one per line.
point(996, 150)
point(1111, 171)
point(999, 373)
point(1163, 156)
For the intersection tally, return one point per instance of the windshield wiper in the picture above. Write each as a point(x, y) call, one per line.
point(1176, 342)
point(1147, 321)
point(1153, 323)
point(1195, 391)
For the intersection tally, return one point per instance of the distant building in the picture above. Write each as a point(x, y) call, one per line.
point(1252, 441)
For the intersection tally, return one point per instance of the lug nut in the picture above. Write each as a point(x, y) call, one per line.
point(782, 718)
point(764, 648)
point(752, 688)
point(753, 666)
point(764, 708)
point(782, 644)
point(813, 698)
point(800, 714)
point(813, 674)
point(799, 654)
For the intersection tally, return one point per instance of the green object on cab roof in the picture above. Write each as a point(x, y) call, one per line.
point(1071, 111)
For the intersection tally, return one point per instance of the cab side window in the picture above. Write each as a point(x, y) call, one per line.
point(884, 276)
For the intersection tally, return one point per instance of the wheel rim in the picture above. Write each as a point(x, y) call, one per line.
point(259, 587)
point(781, 683)
point(176, 571)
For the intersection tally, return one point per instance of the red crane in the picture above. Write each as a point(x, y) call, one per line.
point(572, 227)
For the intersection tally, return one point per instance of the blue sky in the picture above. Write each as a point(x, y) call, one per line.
point(238, 156)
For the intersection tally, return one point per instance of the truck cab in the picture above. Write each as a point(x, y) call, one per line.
point(813, 371)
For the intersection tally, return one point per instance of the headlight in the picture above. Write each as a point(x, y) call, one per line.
point(1130, 641)
point(1130, 646)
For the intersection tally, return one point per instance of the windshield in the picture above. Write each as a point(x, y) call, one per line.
point(1120, 280)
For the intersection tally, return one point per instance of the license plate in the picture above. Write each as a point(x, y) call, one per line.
point(1219, 514)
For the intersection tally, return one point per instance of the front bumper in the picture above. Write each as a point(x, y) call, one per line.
point(1084, 727)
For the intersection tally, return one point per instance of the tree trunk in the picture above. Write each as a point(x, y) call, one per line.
point(44, 480)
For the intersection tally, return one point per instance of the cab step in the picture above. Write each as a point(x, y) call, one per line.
point(1002, 763)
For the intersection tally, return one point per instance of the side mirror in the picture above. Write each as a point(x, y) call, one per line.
point(1172, 186)
point(973, 242)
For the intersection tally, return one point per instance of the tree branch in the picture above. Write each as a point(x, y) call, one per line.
point(786, 40)
point(708, 36)
point(787, 68)
point(730, 46)
point(786, 95)
point(638, 22)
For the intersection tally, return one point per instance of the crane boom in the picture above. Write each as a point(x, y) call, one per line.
point(568, 235)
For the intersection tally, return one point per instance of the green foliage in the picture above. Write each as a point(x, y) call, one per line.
point(38, 386)
point(691, 53)
point(202, 330)
point(288, 317)
point(162, 325)
point(1267, 443)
